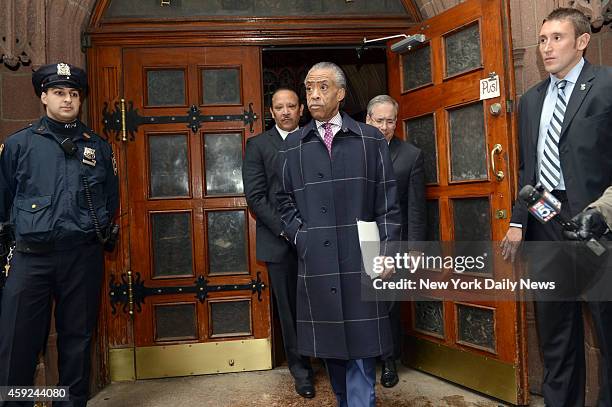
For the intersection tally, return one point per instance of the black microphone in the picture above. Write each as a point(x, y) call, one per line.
point(544, 206)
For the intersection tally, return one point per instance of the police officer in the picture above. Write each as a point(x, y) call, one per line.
point(59, 190)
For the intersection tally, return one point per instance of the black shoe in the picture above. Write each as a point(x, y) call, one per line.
point(305, 388)
point(388, 377)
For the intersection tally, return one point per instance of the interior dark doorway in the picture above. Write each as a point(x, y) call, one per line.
point(365, 69)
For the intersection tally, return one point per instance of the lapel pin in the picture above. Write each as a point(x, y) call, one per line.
point(582, 86)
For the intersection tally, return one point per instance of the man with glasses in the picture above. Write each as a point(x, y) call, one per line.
point(408, 167)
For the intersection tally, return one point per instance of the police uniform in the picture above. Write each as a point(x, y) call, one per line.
point(49, 193)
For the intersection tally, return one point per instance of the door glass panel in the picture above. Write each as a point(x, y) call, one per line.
point(473, 230)
point(174, 322)
point(221, 86)
point(472, 219)
point(172, 248)
point(463, 50)
point(476, 326)
point(252, 8)
point(421, 132)
point(230, 318)
point(416, 68)
point(168, 166)
point(433, 221)
point(227, 246)
point(223, 156)
point(429, 317)
point(468, 147)
point(165, 87)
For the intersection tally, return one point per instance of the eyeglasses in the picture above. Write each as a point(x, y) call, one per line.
point(382, 120)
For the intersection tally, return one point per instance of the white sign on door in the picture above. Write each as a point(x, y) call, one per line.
point(489, 87)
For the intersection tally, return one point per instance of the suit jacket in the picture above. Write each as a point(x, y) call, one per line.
point(585, 146)
point(261, 183)
point(408, 165)
point(321, 202)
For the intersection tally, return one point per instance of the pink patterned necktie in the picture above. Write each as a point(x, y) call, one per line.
point(328, 136)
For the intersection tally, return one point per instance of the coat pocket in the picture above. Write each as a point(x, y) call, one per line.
point(300, 242)
point(33, 215)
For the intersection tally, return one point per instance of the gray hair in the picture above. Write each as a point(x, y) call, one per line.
point(338, 73)
point(380, 99)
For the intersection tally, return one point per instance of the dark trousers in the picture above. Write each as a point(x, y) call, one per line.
point(72, 278)
point(353, 381)
point(283, 280)
point(396, 329)
point(560, 323)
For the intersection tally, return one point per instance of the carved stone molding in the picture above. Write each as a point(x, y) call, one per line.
point(599, 11)
point(518, 55)
point(22, 33)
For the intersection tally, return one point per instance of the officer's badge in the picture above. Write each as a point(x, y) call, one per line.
point(114, 164)
point(89, 156)
point(63, 69)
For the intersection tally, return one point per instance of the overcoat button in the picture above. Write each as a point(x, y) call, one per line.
point(333, 290)
point(320, 175)
point(323, 209)
point(326, 243)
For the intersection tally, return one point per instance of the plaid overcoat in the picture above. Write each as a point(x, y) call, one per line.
point(320, 201)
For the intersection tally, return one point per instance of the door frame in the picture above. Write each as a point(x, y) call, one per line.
point(104, 55)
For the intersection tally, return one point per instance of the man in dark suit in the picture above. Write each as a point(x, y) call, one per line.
point(565, 144)
point(408, 167)
point(335, 171)
point(261, 183)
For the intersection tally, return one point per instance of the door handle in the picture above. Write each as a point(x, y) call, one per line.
point(497, 149)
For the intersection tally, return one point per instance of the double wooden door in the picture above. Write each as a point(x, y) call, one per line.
point(468, 149)
point(198, 299)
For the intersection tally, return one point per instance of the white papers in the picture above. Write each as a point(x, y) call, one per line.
point(369, 242)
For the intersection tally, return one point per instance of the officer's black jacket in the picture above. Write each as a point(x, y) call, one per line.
point(41, 188)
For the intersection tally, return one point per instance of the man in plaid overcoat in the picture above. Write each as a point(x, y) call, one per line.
point(335, 171)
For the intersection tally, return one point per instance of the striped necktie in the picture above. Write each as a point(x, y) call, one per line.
point(550, 167)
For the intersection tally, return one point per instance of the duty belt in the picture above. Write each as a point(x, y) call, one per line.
point(47, 247)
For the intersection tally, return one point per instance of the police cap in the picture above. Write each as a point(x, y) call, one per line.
point(60, 75)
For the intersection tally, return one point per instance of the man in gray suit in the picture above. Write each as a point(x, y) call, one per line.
point(408, 168)
point(261, 183)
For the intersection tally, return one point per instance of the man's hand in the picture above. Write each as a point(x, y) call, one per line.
point(388, 271)
point(511, 243)
point(591, 224)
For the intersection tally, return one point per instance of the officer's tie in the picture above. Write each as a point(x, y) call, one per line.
point(550, 167)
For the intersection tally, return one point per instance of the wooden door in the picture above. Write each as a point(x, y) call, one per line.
point(200, 300)
point(478, 344)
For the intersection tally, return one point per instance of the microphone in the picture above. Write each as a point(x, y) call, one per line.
point(544, 206)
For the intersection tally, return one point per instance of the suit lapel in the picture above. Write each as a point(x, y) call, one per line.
point(394, 148)
point(581, 88)
point(535, 123)
point(276, 138)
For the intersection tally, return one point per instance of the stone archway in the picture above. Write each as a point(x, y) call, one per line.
point(33, 33)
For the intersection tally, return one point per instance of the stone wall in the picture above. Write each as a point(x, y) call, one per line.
point(33, 33)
